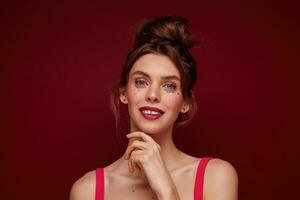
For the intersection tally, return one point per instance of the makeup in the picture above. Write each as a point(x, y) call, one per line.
point(150, 116)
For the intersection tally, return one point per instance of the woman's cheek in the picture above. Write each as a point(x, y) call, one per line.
point(173, 100)
point(134, 94)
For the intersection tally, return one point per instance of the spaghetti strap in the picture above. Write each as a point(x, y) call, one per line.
point(198, 188)
point(99, 184)
point(199, 181)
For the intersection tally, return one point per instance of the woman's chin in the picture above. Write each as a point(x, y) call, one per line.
point(151, 130)
point(150, 127)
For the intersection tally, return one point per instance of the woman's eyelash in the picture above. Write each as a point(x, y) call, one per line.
point(170, 86)
point(143, 83)
point(140, 82)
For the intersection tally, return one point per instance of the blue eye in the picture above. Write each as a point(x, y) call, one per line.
point(140, 83)
point(170, 86)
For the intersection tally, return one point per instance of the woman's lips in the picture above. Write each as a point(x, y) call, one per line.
point(151, 113)
point(151, 116)
point(150, 108)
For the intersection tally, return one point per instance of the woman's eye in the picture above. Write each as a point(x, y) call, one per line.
point(140, 83)
point(170, 87)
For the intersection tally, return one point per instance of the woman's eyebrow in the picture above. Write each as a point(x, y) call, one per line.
point(164, 77)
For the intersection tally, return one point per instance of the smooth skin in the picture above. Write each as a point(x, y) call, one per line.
point(152, 163)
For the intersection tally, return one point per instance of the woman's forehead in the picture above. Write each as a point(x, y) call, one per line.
point(155, 65)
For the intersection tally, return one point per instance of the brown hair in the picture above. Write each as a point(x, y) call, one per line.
point(168, 36)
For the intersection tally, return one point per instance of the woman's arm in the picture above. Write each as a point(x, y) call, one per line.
point(221, 181)
point(84, 187)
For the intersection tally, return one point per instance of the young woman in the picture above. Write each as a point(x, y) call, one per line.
point(156, 84)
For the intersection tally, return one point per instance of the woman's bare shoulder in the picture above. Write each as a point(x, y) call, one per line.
point(84, 187)
point(221, 180)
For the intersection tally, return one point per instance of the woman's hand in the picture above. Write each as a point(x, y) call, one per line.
point(144, 154)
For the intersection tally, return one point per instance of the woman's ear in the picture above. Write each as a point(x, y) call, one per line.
point(185, 107)
point(123, 95)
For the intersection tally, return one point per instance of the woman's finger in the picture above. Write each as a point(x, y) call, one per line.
point(135, 145)
point(138, 159)
point(130, 165)
point(142, 135)
point(133, 165)
point(146, 138)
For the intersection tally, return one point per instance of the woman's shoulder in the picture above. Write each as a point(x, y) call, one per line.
point(221, 178)
point(218, 164)
point(84, 187)
point(218, 167)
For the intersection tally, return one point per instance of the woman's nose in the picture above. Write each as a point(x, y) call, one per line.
point(153, 95)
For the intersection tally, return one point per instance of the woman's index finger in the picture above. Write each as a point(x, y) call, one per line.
point(144, 136)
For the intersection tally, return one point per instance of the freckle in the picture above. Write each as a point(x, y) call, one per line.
point(177, 93)
point(135, 92)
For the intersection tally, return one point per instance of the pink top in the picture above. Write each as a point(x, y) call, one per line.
point(198, 187)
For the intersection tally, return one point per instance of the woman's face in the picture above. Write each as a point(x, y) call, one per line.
point(153, 94)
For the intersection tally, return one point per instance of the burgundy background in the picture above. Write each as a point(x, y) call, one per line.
point(59, 60)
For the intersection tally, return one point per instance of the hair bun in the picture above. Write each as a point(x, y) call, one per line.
point(171, 29)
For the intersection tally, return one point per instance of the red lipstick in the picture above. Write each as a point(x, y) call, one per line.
point(151, 113)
